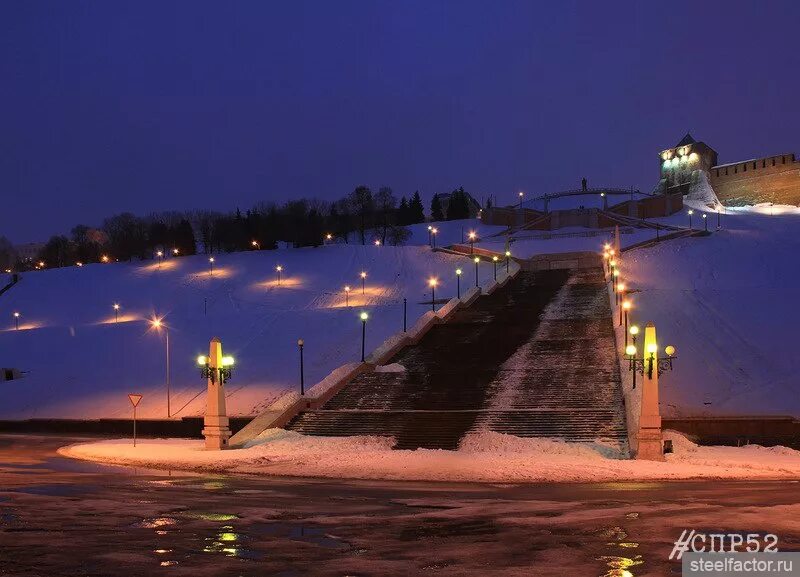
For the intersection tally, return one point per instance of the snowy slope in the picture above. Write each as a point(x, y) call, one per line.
point(729, 303)
point(81, 363)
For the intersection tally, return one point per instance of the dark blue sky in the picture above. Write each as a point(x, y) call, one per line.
point(141, 106)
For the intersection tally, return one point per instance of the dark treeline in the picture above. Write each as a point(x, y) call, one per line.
point(361, 217)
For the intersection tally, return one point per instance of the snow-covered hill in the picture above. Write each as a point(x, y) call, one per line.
point(81, 363)
point(730, 303)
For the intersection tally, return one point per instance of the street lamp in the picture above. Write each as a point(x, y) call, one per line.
point(690, 212)
point(634, 330)
point(116, 312)
point(255, 245)
point(508, 258)
point(363, 280)
point(364, 316)
point(16, 320)
point(347, 295)
point(328, 237)
point(302, 380)
point(279, 270)
point(377, 242)
point(521, 194)
point(79, 264)
point(211, 265)
point(472, 237)
point(434, 231)
point(494, 260)
point(458, 283)
point(705, 221)
point(626, 306)
point(477, 260)
point(160, 255)
point(157, 324)
point(432, 282)
point(220, 374)
point(175, 252)
point(649, 362)
point(430, 236)
point(104, 258)
point(620, 292)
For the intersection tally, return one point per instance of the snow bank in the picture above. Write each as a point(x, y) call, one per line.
point(485, 457)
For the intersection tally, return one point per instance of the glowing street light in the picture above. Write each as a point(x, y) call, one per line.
point(222, 373)
point(363, 316)
point(160, 255)
point(458, 283)
point(508, 258)
point(690, 212)
point(279, 270)
point(432, 282)
point(116, 312)
point(377, 242)
point(620, 292)
point(494, 260)
point(705, 221)
point(16, 320)
point(472, 236)
point(649, 362)
point(623, 312)
point(477, 261)
point(430, 236)
point(79, 264)
point(104, 258)
point(521, 194)
point(175, 252)
point(434, 232)
point(211, 265)
point(255, 244)
point(363, 280)
point(347, 295)
point(328, 238)
point(158, 324)
point(634, 331)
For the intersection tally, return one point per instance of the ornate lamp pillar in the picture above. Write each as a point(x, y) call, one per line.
point(216, 424)
point(650, 441)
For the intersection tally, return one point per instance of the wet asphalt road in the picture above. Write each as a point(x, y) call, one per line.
point(63, 517)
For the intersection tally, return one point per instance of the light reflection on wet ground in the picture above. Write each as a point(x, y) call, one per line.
point(86, 519)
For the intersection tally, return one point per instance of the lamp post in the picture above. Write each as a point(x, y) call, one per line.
point(458, 283)
point(328, 238)
point(521, 194)
point(405, 313)
point(705, 221)
point(104, 258)
point(363, 280)
point(364, 316)
point(477, 260)
point(216, 369)
point(16, 320)
point(434, 231)
point(116, 312)
point(508, 258)
point(432, 282)
point(472, 237)
point(650, 362)
point(690, 212)
point(718, 223)
point(175, 252)
point(158, 324)
point(211, 266)
point(159, 254)
point(279, 270)
point(347, 295)
point(255, 245)
point(494, 261)
point(430, 236)
point(626, 306)
point(614, 275)
point(302, 381)
point(377, 242)
point(620, 295)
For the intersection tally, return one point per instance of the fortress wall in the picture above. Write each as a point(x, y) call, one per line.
point(770, 179)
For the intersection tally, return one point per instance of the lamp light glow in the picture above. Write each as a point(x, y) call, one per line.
point(630, 350)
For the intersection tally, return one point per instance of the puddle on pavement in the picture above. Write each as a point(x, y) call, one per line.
point(230, 543)
point(56, 490)
point(293, 532)
point(620, 566)
point(205, 516)
point(154, 522)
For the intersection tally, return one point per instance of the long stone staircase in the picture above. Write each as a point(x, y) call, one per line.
point(536, 358)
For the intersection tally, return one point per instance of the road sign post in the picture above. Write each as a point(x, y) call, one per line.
point(134, 399)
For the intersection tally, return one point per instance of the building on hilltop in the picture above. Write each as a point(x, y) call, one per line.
point(774, 179)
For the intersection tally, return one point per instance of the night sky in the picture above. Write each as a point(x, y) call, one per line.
point(140, 106)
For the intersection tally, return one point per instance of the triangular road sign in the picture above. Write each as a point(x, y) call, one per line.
point(134, 399)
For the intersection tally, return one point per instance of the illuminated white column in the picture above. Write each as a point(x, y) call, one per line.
point(650, 441)
point(216, 430)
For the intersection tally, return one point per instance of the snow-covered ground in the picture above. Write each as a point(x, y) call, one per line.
point(729, 303)
point(81, 363)
point(485, 457)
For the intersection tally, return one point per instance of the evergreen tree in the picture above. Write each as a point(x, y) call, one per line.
point(436, 209)
point(416, 210)
point(403, 216)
